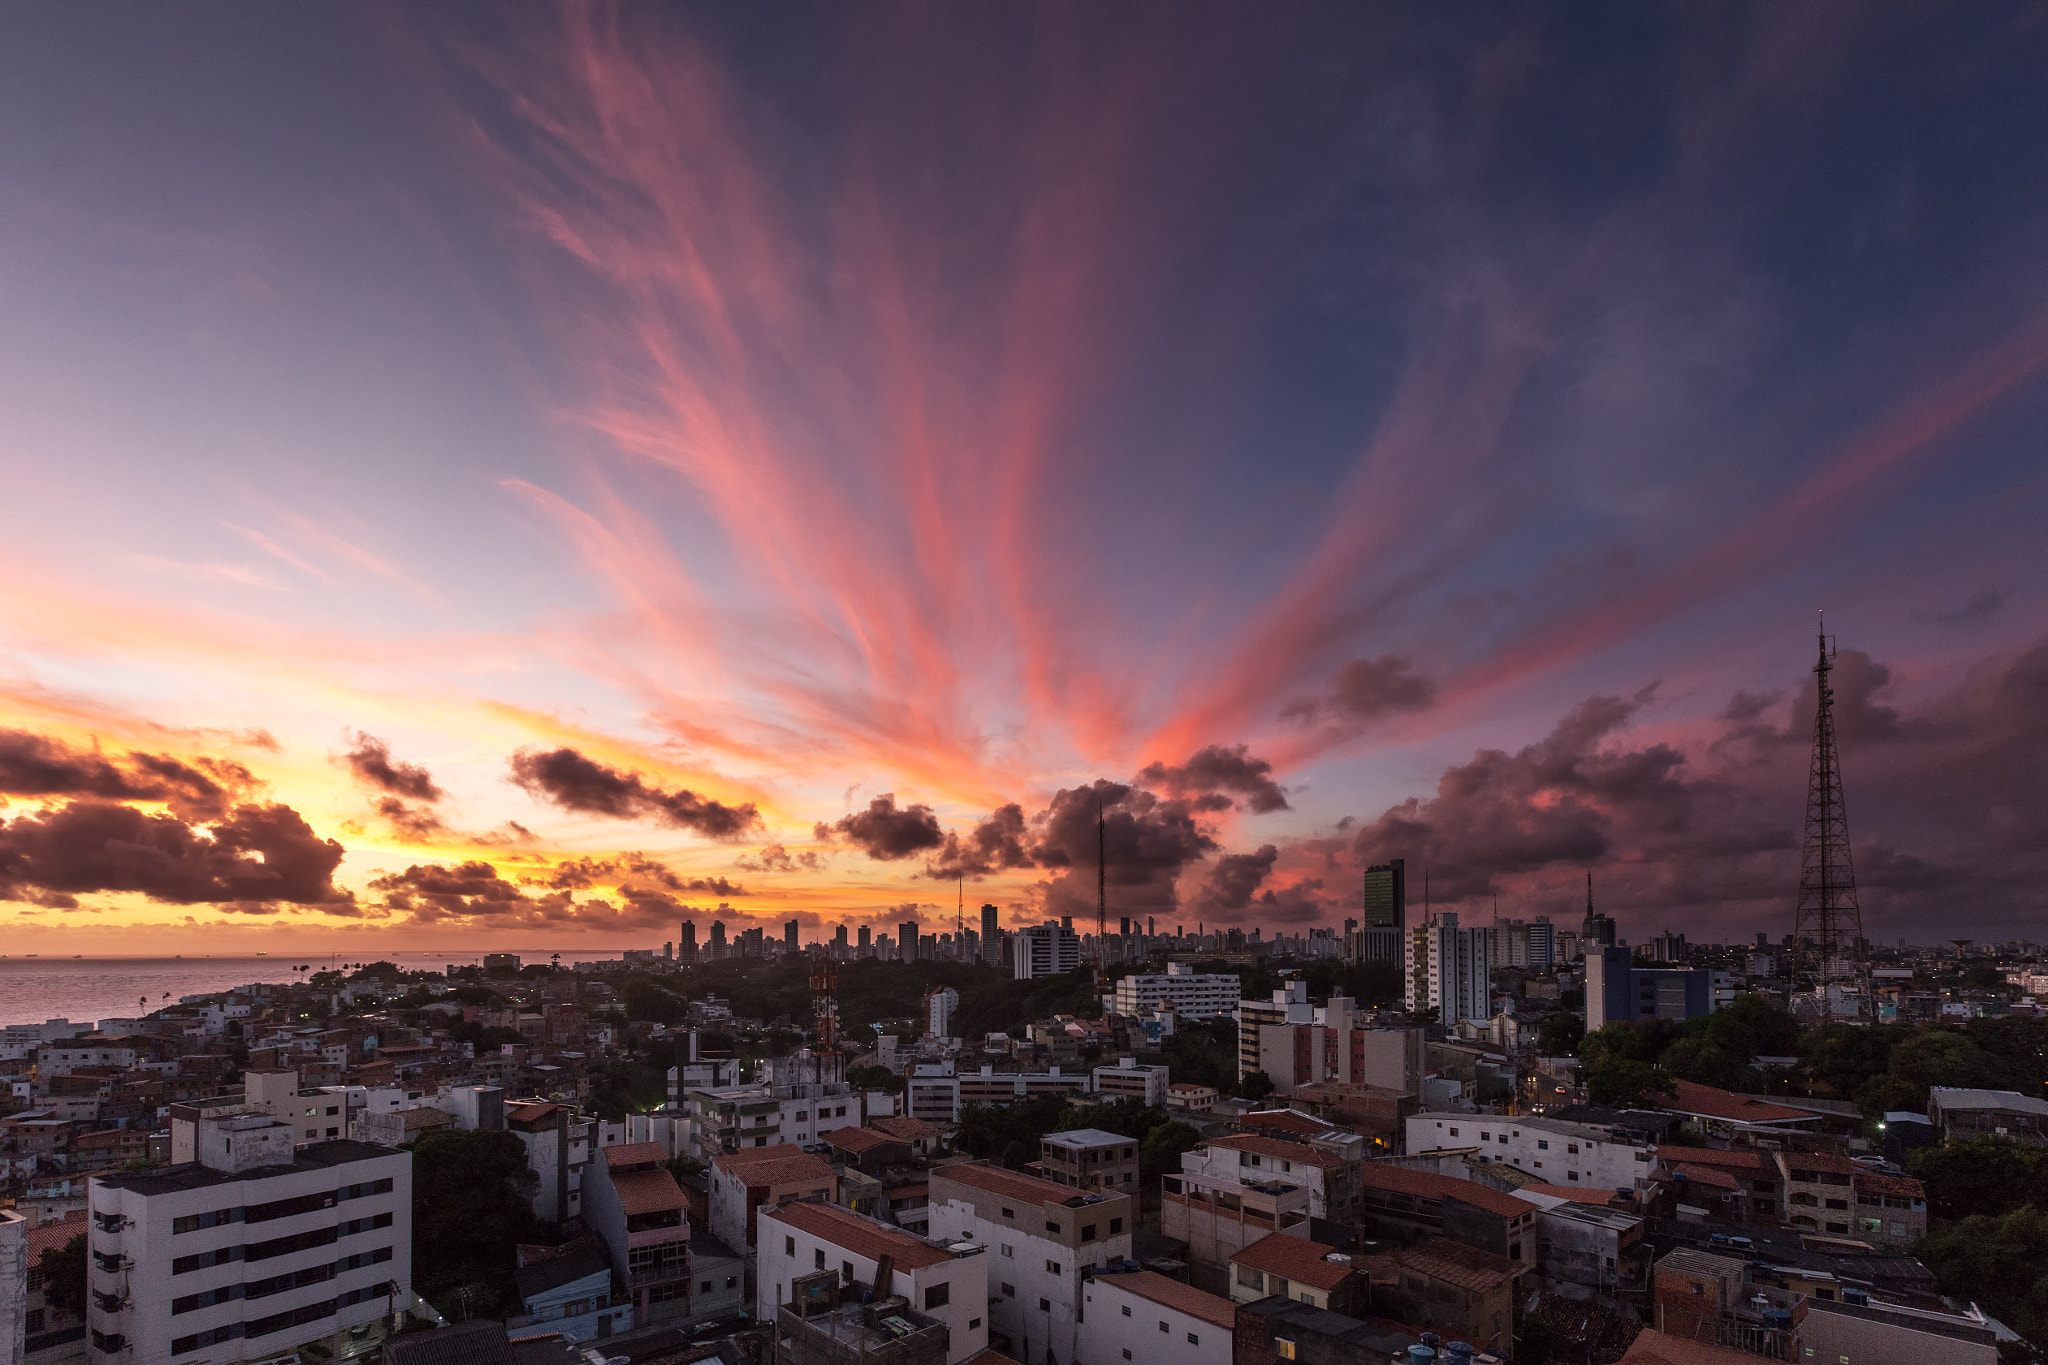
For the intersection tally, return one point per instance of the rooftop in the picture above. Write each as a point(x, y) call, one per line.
point(1654, 1348)
point(1381, 1175)
point(1705, 1175)
point(1954, 1097)
point(538, 1277)
point(1455, 1263)
point(861, 1236)
point(634, 1154)
point(318, 1156)
point(1183, 1298)
point(1280, 1149)
point(647, 1191)
point(791, 1165)
point(1704, 1101)
point(1687, 1261)
point(1089, 1137)
point(860, 1139)
point(1711, 1156)
point(468, 1343)
point(996, 1180)
point(1295, 1258)
point(1901, 1186)
point(905, 1127)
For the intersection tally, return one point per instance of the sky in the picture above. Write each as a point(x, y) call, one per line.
point(485, 477)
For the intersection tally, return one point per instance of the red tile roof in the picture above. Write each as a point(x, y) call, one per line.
point(1455, 1263)
point(1596, 1196)
point(905, 1127)
point(1009, 1184)
point(647, 1191)
point(1654, 1348)
point(1182, 1298)
point(1707, 1102)
point(1380, 1175)
point(861, 1236)
point(634, 1154)
point(783, 1164)
point(860, 1139)
point(53, 1236)
point(1294, 1258)
point(1287, 1120)
point(1877, 1182)
point(1280, 1149)
point(1743, 1160)
point(988, 1358)
point(1818, 1161)
point(1705, 1175)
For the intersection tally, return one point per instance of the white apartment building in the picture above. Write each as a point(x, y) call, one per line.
point(1559, 1152)
point(1192, 994)
point(1450, 971)
point(13, 1285)
point(1254, 1159)
point(940, 1006)
point(949, 1283)
point(251, 1251)
point(1039, 1236)
point(1128, 1080)
point(1045, 950)
point(731, 1118)
point(1141, 1315)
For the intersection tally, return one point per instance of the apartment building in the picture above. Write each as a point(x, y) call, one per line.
point(936, 1094)
point(1190, 994)
point(252, 1250)
point(1560, 1152)
point(14, 1230)
point(730, 1118)
point(743, 1182)
point(1219, 1216)
point(1090, 1160)
point(1964, 1113)
point(1129, 1081)
point(1289, 1005)
point(558, 1141)
point(634, 1205)
point(1819, 1191)
point(1449, 971)
point(1045, 950)
point(1398, 1199)
point(1141, 1315)
point(1040, 1236)
point(1333, 1045)
point(1252, 1158)
point(947, 1283)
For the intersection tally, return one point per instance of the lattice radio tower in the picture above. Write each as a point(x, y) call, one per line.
point(1827, 926)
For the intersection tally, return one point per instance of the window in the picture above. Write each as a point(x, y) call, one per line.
point(704, 1288)
point(1194, 1340)
point(1052, 1227)
point(1283, 1348)
point(973, 1323)
point(732, 1282)
point(1127, 1353)
point(1088, 1232)
point(1486, 1137)
point(802, 1114)
point(1572, 1148)
point(1009, 1213)
point(1052, 1267)
point(937, 1296)
point(818, 1259)
point(1045, 1305)
point(846, 1271)
point(1541, 1145)
point(1009, 1250)
point(789, 1246)
point(1454, 1132)
point(1009, 1291)
point(1127, 1310)
point(1116, 1225)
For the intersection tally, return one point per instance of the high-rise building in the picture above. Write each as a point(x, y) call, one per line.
point(906, 940)
point(718, 952)
point(866, 947)
point(1460, 971)
point(1386, 896)
point(839, 941)
point(991, 925)
point(686, 943)
point(1046, 950)
point(939, 1008)
point(1617, 990)
point(789, 937)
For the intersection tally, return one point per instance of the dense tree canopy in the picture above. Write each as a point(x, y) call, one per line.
point(472, 1207)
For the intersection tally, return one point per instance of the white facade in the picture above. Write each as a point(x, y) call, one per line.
point(945, 1283)
point(738, 1117)
point(1559, 1153)
point(13, 1285)
point(1045, 950)
point(1193, 995)
point(940, 1007)
point(1038, 1237)
point(1450, 972)
point(1128, 1080)
point(250, 1255)
point(1145, 1316)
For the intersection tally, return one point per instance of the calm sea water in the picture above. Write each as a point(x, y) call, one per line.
point(86, 989)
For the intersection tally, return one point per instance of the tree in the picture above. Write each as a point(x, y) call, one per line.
point(1981, 1177)
point(1996, 1263)
point(1128, 1117)
point(64, 1276)
point(1560, 1033)
point(472, 1207)
point(1159, 1154)
point(1625, 1083)
point(1255, 1086)
point(645, 1000)
point(877, 1078)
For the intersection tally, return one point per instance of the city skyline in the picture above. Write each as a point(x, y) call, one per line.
point(540, 480)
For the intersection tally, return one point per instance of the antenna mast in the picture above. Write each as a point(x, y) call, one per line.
point(1827, 923)
point(1101, 889)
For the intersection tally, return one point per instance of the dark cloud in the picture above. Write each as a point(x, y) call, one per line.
point(39, 766)
point(370, 760)
point(776, 858)
point(574, 782)
point(256, 854)
point(995, 845)
point(885, 832)
point(1150, 840)
point(1367, 690)
point(469, 890)
point(413, 822)
point(624, 871)
point(1216, 770)
point(1234, 880)
point(1982, 606)
point(476, 891)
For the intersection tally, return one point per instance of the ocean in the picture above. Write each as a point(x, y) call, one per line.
point(88, 989)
